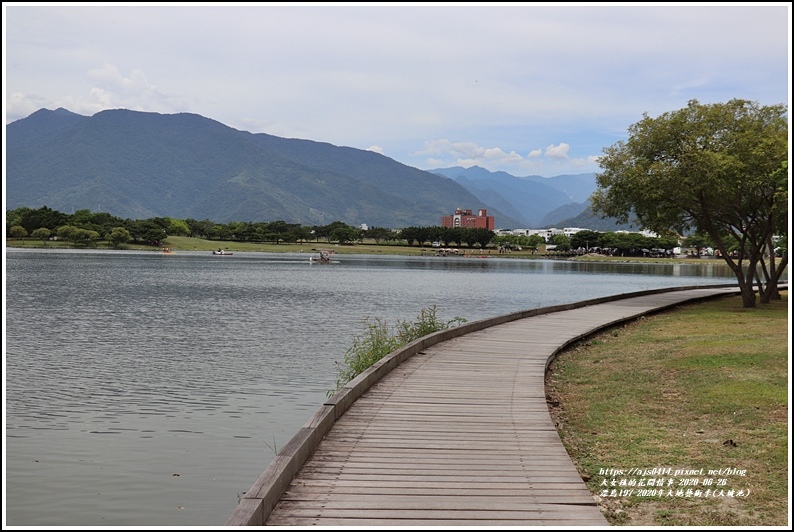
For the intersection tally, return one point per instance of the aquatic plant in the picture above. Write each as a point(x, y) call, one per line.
point(379, 340)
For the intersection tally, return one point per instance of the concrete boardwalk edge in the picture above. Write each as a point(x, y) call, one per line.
point(452, 429)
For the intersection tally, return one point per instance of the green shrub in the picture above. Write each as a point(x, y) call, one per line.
point(378, 341)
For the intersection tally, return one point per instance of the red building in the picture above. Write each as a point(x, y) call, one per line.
point(464, 218)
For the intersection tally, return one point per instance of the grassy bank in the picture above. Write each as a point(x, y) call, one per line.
point(703, 387)
point(183, 243)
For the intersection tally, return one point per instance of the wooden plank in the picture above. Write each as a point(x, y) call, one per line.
point(348, 448)
point(420, 464)
point(459, 434)
point(302, 491)
point(539, 477)
point(455, 503)
point(523, 473)
point(397, 483)
point(342, 522)
point(548, 512)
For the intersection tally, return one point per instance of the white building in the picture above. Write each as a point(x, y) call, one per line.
point(546, 234)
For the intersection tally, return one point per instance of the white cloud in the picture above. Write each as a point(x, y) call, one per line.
point(392, 76)
point(19, 105)
point(497, 154)
point(559, 151)
point(436, 163)
point(468, 154)
point(132, 91)
point(136, 83)
point(109, 89)
point(376, 149)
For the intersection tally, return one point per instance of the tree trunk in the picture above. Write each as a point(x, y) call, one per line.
point(748, 295)
point(771, 292)
point(746, 284)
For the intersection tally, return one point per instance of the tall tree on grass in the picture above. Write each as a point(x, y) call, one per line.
point(774, 269)
point(712, 168)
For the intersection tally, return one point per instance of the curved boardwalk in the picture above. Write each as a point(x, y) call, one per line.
point(458, 434)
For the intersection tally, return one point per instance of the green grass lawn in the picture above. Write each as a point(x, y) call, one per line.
point(704, 386)
point(184, 243)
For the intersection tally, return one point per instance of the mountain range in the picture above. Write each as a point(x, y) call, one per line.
point(142, 165)
point(537, 202)
point(528, 199)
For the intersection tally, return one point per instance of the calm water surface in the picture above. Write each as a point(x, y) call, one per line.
point(145, 389)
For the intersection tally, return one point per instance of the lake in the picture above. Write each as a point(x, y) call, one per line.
point(151, 389)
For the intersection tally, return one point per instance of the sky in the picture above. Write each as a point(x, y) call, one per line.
point(525, 88)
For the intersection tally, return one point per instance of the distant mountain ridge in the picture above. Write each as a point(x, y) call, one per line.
point(537, 202)
point(140, 165)
point(529, 198)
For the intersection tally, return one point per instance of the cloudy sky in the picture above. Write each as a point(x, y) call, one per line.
point(530, 89)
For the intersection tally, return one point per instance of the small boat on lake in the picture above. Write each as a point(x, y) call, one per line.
point(222, 252)
point(322, 256)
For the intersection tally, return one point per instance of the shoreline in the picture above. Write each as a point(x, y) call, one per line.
point(188, 244)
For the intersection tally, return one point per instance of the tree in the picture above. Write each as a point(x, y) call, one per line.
point(32, 219)
point(478, 235)
point(300, 234)
point(239, 231)
point(77, 235)
point(585, 239)
point(325, 231)
point(780, 217)
point(17, 231)
point(282, 231)
point(455, 235)
point(15, 216)
point(42, 233)
point(697, 241)
point(85, 237)
point(81, 218)
point(345, 235)
point(534, 242)
point(199, 229)
point(101, 222)
point(151, 231)
point(379, 234)
point(118, 236)
point(219, 232)
point(561, 243)
point(178, 227)
point(64, 232)
point(713, 168)
point(412, 235)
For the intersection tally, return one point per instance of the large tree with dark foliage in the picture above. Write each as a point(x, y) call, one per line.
point(719, 169)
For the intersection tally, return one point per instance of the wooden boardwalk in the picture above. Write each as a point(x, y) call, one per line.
point(458, 434)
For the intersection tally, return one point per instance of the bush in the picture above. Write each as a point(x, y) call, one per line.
point(378, 341)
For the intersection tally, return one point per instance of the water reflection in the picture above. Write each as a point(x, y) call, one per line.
point(126, 368)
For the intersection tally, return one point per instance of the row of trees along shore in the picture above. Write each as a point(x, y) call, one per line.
point(87, 228)
point(84, 228)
